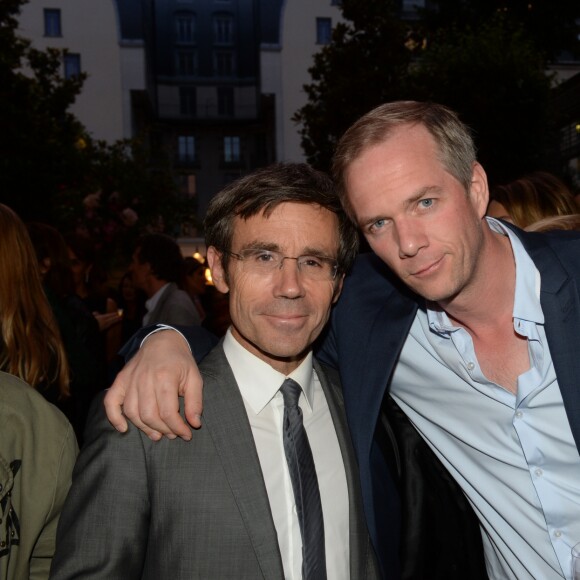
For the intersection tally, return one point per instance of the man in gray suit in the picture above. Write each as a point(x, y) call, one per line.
point(156, 268)
point(225, 504)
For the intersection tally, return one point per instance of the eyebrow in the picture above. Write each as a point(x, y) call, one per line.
point(272, 247)
point(420, 194)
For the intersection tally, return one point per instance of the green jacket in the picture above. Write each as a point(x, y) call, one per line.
point(38, 450)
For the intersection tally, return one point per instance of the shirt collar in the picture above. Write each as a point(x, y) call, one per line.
point(258, 381)
point(527, 294)
point(152, 302)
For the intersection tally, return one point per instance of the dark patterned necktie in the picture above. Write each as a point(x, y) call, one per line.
point(304, 484)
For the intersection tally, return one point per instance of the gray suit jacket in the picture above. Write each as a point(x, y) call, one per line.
point(198, 509)
point(174, 307)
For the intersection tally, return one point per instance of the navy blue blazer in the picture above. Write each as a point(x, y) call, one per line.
point(368, 327)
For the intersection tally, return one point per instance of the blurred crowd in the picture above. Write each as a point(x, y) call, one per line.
point(64, 317)
point(63, 329)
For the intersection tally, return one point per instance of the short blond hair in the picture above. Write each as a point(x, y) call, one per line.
point(456, 150)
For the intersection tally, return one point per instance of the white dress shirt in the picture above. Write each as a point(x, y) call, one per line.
point(513, 454)
point(259, 384)
point(152, 302)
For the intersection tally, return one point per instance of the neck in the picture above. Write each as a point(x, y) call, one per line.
point(153, 286)
point(489, 297)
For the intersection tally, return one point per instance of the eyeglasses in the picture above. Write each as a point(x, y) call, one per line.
point(265, 262)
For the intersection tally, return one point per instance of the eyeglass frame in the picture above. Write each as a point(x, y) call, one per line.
point(333, 261)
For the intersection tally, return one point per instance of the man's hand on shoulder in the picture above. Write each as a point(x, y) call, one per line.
point(146, 391)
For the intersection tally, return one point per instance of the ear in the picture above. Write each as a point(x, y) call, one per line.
point(337, 288)
point(479, 192)
point(214, 259)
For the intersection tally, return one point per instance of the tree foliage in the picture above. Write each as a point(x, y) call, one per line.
point(494, 77)
point(365, 64)
point(51, 170)
point(477, 57)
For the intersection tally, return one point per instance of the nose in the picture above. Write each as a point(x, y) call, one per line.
point(288, 281)
point(410, 238)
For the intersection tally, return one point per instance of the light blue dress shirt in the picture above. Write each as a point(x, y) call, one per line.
point(513, 454)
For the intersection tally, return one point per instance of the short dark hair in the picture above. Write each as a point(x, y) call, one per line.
point(163, 255)
point(263, 190)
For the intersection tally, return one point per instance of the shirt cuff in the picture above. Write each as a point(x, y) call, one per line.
point(161, 327)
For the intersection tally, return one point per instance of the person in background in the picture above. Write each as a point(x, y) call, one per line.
point(90, 285)
point(531, 198)
point(37, 444)
point(77, 325)
point(269, 488)
point(157, 268)
point(569, 222)
point(217, 305)
point(195, 283)
point(38, 450)
point(131, 300)
point(31, 346)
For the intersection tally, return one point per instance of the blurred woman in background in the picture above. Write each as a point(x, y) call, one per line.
point(30, 343)
point(531, 198)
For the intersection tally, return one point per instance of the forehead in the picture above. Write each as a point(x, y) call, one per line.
point(395, 169)
point(289, 225)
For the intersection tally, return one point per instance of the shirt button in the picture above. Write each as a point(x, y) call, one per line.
point(470, 366)
point(519, 415)
point(539, 472)
point(558, 533)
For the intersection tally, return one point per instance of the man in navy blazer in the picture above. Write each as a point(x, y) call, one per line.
point(466, 326)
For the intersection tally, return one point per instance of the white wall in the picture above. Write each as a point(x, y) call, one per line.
point(90, 28)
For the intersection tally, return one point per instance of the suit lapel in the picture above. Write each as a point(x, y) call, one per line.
point(359, 540)
point(226, 419)
point(561, 307)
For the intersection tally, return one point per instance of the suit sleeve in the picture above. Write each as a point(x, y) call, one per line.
point(103, 528)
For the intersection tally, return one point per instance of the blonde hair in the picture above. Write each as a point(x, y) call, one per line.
point(30, 344)
point(534, 197)
point(570, 222)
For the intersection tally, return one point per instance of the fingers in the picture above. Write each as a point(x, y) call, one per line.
point(107, 320)
point(171, 423)
point(193, 398)
point(149, 386)
point(114, 405)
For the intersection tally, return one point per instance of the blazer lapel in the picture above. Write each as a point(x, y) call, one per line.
point(561, 307)
point(359, 541)
point(226, 419)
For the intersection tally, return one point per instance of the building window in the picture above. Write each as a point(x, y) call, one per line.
point(231, 149)
point(72, 65)
point(185, 28)
point(224, 63)
point(323, 30)
point(52, 22)
point(226, 101)
point(186, 62)
point(186, 148)
point(223, 29)
point(188, 101)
